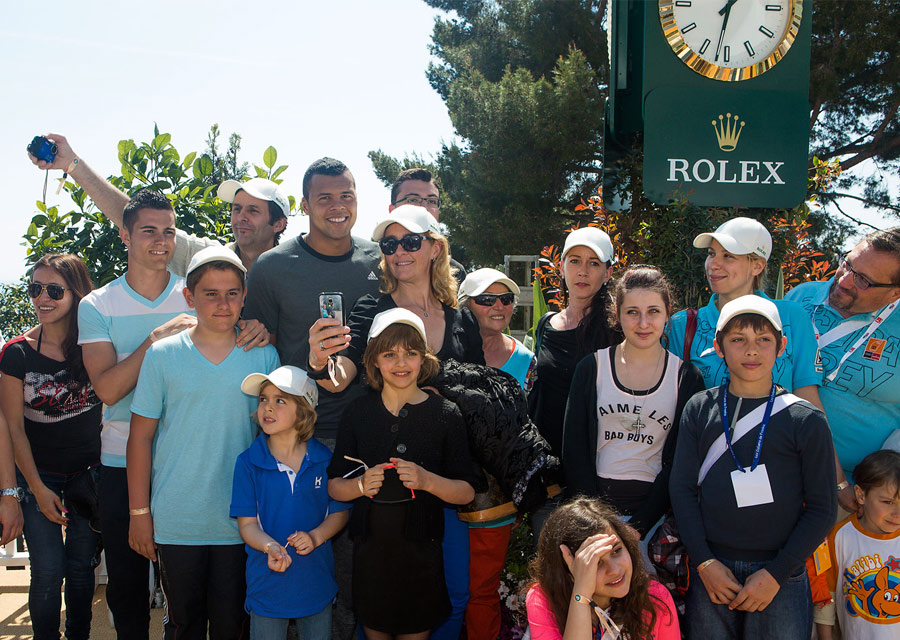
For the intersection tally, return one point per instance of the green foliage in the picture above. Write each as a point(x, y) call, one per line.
point(190, 182)
point(855, 94)
point(16, 310)
point(529, 104)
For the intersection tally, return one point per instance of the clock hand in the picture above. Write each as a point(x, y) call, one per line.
point(726, 11)
point(726, 7)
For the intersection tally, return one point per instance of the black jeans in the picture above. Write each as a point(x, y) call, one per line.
point(128, 589)
point(203, 585)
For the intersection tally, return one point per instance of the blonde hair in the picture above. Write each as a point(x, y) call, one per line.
point(305, 424)
point(398, 335)
point(443, 285)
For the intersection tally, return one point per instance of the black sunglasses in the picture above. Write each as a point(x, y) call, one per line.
point(488, 299)
point(55, 291)
point(409, 242)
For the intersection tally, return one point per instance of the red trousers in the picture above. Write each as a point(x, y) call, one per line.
point(487, 553)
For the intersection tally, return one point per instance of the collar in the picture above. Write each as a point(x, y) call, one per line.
point(261, 457)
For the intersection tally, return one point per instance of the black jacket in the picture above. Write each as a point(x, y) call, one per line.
point(502, 437)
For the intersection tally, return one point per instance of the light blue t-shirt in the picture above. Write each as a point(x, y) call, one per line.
point(204, 425)
point(862, 403)
point(518, 363)
point(794, 369)
point(120, 315)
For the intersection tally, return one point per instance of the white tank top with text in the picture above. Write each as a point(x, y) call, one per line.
point(626, 450)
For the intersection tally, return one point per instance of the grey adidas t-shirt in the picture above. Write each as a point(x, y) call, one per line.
point(283, 293)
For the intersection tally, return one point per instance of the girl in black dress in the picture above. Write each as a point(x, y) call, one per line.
point(412, 449)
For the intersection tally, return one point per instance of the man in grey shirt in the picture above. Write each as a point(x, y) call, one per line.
point(285, 283)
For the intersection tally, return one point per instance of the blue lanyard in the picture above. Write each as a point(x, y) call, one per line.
point(762, 428)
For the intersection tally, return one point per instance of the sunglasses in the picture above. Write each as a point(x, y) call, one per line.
point(410, 242)
point(488, 299)
point(55, 291)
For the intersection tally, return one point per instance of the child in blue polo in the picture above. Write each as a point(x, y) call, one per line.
point(280, 499)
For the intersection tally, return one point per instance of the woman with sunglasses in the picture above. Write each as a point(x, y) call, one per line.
point(491, 297)
point(54, 421)
point(415, 275)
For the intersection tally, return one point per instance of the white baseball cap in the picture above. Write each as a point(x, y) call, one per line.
point(749, 304)
point(258, 188)
point(594, 239)
point(395, 316)
point(289, 379)
point(740, 236)
point(215, 253)
point(480, 279)
point(410, 216)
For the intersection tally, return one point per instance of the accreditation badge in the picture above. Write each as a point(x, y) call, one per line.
point(751, 488)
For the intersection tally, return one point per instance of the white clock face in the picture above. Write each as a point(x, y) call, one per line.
point(747, 36)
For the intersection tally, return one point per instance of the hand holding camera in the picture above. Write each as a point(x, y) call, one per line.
point(50, 152)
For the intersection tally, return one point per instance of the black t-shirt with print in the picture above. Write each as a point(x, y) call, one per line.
point(62, 415)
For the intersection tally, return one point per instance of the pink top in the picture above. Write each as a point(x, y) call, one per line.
point(543, 624)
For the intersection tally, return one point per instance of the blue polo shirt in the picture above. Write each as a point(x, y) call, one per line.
point(795, 368)
point(261, 489)
point(862, 403)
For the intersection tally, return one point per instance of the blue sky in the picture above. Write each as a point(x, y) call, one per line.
point(333, 78)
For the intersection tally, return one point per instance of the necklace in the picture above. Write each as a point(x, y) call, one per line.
point(638, 424)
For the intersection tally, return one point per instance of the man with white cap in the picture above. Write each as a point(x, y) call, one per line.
point(858, 331)
point(259, 208)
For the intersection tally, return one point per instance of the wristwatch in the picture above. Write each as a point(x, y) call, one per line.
point(842, 485)
point(16, 492)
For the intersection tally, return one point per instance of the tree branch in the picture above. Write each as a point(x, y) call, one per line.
point(847, 215)
point(874, 203)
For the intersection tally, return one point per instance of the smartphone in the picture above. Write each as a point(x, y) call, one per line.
point(331, 305)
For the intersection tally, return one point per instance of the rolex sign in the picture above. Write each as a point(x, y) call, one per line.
point(743, 149)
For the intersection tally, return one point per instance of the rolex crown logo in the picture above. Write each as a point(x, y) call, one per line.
point(727, 131)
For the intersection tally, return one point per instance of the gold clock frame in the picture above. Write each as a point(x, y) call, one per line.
point(716, 72)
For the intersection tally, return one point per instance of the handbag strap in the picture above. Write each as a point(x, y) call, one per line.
point(690, 329)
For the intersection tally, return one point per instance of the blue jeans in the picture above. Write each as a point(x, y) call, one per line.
point(456, 574)
point(788, 616)
point(52, 560)
point(314, 627)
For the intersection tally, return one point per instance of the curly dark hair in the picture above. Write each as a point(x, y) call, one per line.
point(571, 524)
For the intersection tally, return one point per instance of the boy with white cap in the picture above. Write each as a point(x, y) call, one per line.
point(752, 487)
point(280, 499)
point(188, 425)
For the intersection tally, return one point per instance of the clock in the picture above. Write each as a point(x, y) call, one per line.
point(730, 40)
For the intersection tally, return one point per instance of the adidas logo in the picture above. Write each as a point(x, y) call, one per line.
point(372, 276)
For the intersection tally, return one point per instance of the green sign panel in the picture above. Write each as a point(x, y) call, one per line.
point(725, 148)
